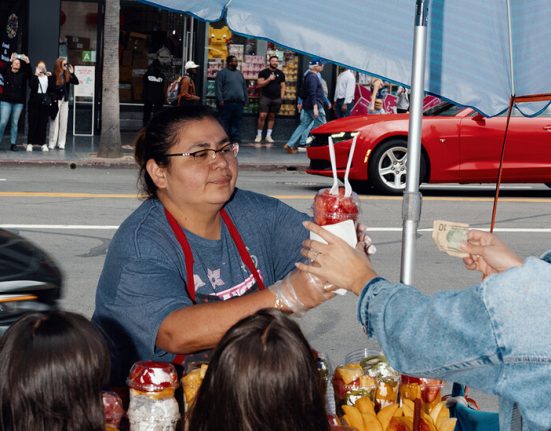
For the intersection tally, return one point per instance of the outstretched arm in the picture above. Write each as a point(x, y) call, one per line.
point(488, 254)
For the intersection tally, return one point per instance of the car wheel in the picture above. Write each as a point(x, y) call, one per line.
point(388, 167)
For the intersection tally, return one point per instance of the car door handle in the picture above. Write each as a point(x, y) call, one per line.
point(547, 128)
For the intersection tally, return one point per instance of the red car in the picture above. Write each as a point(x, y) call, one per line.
point(458, 146)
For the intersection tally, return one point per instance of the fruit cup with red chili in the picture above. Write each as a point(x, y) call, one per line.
point(428, 390)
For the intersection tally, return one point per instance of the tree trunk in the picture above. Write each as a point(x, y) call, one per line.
point(110, 139)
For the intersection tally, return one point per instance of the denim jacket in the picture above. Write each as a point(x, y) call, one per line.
point(495, 336)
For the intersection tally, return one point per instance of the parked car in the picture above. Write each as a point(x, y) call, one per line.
point(30, 281)
point(458, 146)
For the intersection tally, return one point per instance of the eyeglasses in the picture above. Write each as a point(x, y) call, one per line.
point(228, 151)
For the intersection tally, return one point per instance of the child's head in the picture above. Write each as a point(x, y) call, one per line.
point(262, 376)
point(52, 369)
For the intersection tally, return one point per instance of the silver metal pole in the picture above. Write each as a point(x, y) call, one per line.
point(411, 204)
point(184, 41)
point(190, 51)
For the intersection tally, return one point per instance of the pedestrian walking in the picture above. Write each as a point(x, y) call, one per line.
point(231, 97)
point(16, 74)
point(311, 109)
point(64, 76)
point(271, 81)
point(402, 100)
point(42, 95)
point(344, 93)
point(153, 90)
point(188, 93)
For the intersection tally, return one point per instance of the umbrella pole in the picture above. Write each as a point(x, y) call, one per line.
point(411, 204)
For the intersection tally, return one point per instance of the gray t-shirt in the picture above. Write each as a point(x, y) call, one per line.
point(230, 86)
point(144, 275)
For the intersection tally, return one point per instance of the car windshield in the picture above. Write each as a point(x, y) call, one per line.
point(443, 109)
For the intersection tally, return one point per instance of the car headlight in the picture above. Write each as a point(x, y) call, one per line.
point(343, 136)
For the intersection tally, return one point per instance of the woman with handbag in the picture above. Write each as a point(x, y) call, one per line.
point(64, 76)
point(41, 100)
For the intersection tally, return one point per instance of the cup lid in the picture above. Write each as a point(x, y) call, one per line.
point(112, 407)
point(151, 376)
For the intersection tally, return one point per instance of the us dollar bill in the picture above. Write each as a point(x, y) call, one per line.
point(449, 235)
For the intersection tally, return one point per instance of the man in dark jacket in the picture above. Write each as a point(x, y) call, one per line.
point(153, 90)
point(231, 97)
point(12, 100)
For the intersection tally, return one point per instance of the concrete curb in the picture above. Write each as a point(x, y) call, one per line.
point(130, 164)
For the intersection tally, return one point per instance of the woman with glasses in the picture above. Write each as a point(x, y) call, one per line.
point(64, 76)
point(199, 254)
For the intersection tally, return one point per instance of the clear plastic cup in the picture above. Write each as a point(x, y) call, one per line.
point(113, 409)
point(194, 373)
point(366, 372)
point(350, 382)
point(428, 390)
point(152, 403)
point(331, 209)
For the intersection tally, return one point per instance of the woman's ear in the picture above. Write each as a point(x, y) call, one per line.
point(157, 173)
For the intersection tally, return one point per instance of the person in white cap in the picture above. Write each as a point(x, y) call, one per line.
point(187, 93)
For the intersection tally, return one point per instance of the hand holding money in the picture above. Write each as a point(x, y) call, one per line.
point(488, 254)
point(449, 236)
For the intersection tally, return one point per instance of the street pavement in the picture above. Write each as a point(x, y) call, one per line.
point(82, 151)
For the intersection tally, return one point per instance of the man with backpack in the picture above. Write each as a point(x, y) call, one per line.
point(187, 91)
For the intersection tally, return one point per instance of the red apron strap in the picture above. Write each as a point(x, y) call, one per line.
point(243, 252)
point(188, 257)
point(188, 254)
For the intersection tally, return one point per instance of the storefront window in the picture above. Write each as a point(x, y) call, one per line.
point(148, 33)
point(78, 32)
point(252, 56)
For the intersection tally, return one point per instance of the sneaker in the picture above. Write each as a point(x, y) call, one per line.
point(29, 147)
point(45, 148)
point(258, 139)
point(289, 150)
point(13, 147)
point(269, 139)
point(51, 148)
point(301, 149)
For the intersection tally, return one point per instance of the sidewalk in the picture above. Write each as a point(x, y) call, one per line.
point(82, 151)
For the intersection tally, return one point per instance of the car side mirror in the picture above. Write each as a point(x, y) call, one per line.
point(479, 118)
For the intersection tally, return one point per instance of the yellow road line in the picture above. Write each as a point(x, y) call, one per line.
point(68, 195)
point(282, 197)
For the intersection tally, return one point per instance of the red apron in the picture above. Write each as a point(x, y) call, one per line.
point(188, 258)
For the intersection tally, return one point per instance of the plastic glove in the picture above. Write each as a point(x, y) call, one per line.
point(364, 238)
point(300, 291)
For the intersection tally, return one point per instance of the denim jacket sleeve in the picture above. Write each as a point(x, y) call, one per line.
point(495, 336)
point(428, 335)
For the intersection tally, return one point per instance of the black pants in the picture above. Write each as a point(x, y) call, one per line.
point(148, 108)
point(230, 116)
point(38, 122)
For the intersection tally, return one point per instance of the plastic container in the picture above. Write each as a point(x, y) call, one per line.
point(366, 372)
point(331, 209)
point(112, 410)
point(152, 403)
point(350, 382)
point(194, 373)
point(428, 390)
